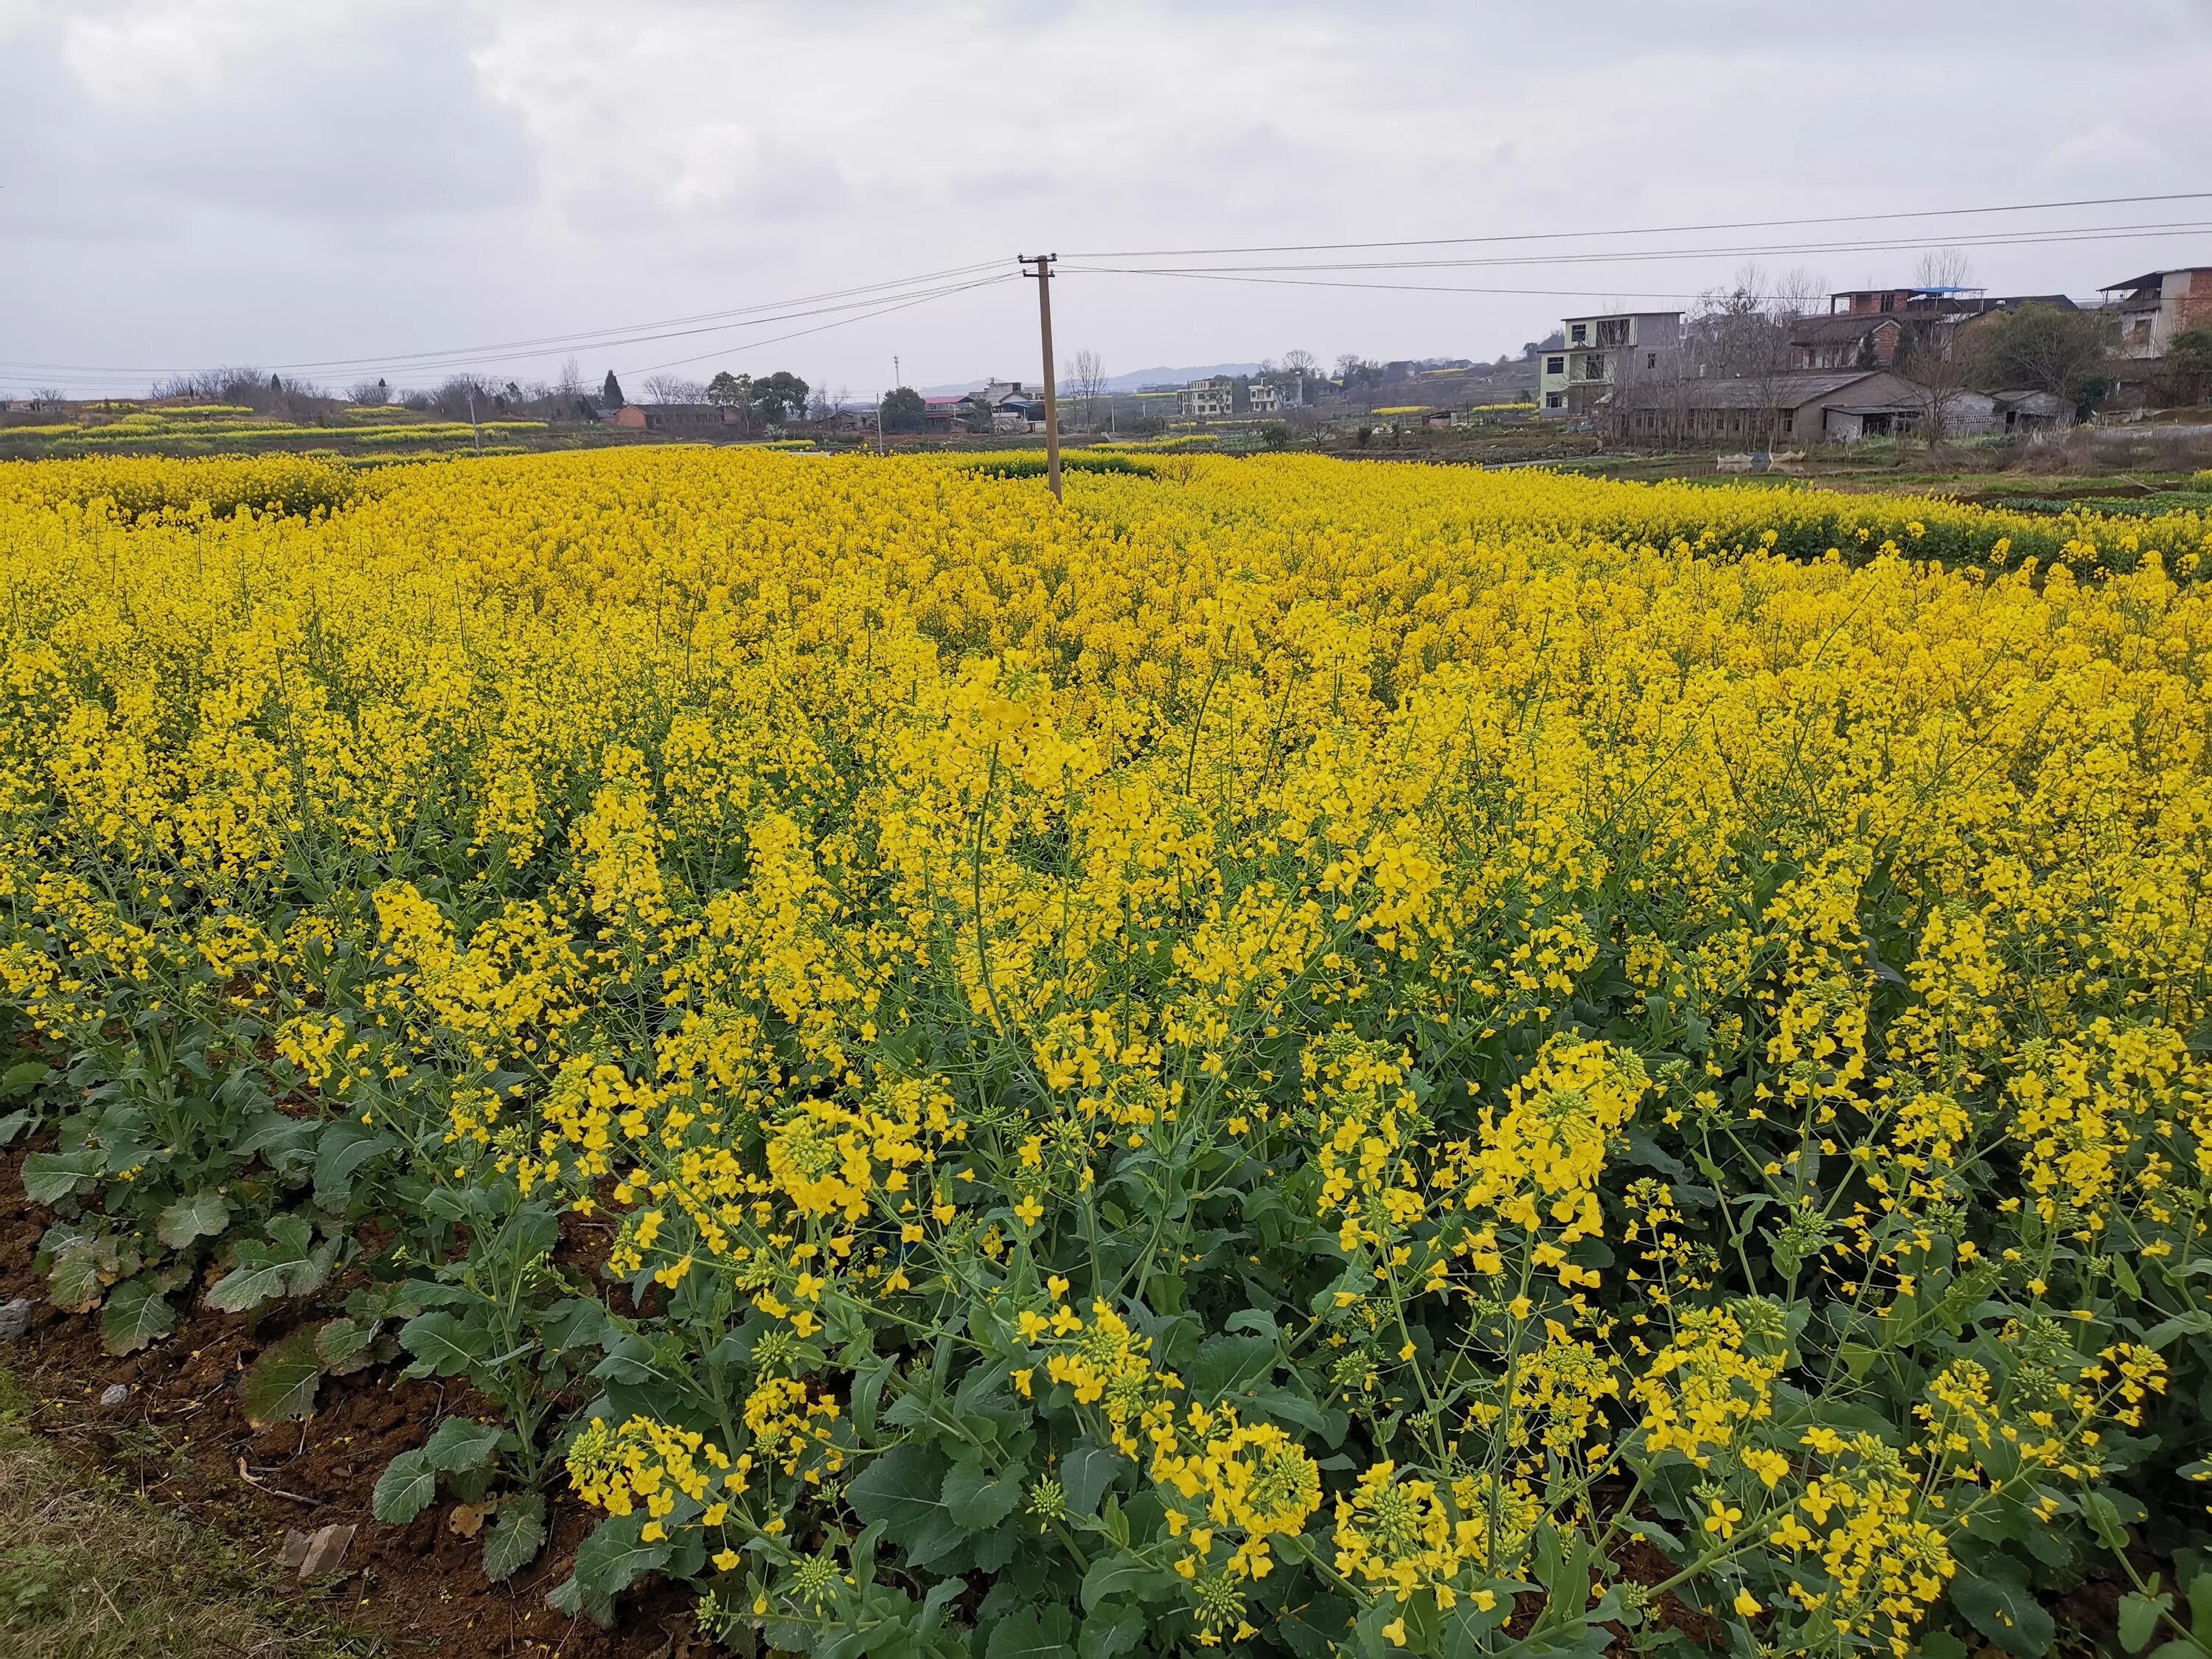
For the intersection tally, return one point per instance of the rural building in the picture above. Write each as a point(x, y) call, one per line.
point(700, 419)
point(1604, 353)
point(1273, 396)
point(2153, 307)
point(2031, 411)
point(1210, 399)
point(1841, 406)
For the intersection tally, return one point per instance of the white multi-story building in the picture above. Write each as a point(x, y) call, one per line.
point(1601, 354)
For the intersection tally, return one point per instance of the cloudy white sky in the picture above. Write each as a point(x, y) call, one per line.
point(188, 182)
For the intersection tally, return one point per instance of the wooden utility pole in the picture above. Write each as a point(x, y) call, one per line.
point(1043, 262)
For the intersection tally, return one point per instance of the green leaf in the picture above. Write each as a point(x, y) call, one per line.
point(138, 1315)
point(49, 1177)
point(203, 1215)
point(344, 1148)
point(2139, 1615)
point(405, 1489)
point(1112, 1574)
point(1105, 1638)
point(2104, 1519)
point(2008, 1613)
point(902, 1489)
point(518, 1533)
point(22, 1078)
point(1028, 1633)
point(442, 1345)
point(13, 1124)
point(289, 1263)
point(82, 1273)
point(342, 1345)
point(281, 1384)
point(460, 1443)
point(1085, 1473)
point(978, 1500)
point(1227, 1364)
point(614, 1558)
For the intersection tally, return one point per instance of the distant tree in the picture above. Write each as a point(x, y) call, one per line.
point(49, 397)
point(611, 394)
point(779, 397)
point(1086, 374)
point(1302, 363)
point(903, 410)
point(726, 388)
point(674, 389)
point(2189, 364)
point(1943, 268)
point(570, 388)
point(370, 394)
point(2041, 348)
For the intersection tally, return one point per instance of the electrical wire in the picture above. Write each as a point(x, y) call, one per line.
point(902, 305)
point(1648, 230)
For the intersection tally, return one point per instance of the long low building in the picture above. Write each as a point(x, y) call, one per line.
point(1842, 406)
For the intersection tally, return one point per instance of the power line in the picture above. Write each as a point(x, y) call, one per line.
point(762, 315)
point(884, 311)
point(1768, 251)
point(1648, 230)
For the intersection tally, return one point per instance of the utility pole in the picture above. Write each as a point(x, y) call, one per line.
point(476, 430)
point(1043, 262)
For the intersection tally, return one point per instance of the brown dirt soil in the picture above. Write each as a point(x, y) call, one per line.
point(183, 1437)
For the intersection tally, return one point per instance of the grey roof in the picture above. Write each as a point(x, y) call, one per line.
point(1813, 331)
point(1777, 391)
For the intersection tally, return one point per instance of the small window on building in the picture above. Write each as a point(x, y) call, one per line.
point(1579, 335)
point(1650, 360)
point(1594, 367)
point(1788, 418)
point(1555, 400)
point(1889, 302)
point(1555, 365)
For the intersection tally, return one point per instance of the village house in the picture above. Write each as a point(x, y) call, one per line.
point(1872, 328)
point(1213, 398)
point(704, 420)
point(1602, 354)
point(2153, 307)
point(1838, 407)
point(1276, 393)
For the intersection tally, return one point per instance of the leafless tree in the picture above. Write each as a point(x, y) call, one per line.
point(1742, 332)
point(49, 397)
point(570, 388)
point(1943, 268)
point(1086, 376)
point(370, 394)
point(674, 389)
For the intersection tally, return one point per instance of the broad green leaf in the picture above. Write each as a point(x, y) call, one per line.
point(405, 1489)
point(978, 1500)
point(202, 1215)
point(902, 1489)
point(281, 1384)
point(1085, 1473)
point(2008, 1613)
point(614, 1558)
point(49, 1177)
point(1106, 1638)
point(342, 1345)
point(341, 1151)
point(1228, 1363)
point(460, 1443)
point(136, 1316)
point(518, 1533)
point(1112, 1574)
point(82, 1273)
point(442, 1345)
point(2139, 1615)
point(1029, 1633)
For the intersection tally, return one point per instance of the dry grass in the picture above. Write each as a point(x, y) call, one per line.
point(89, 1571)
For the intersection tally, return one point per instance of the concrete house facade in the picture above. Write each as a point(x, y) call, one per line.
point(2153, 307)
point(1604, 353)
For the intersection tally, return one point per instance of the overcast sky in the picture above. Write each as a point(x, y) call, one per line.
point(189, 182)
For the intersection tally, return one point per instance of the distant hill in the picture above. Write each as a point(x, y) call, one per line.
point(1129, 382)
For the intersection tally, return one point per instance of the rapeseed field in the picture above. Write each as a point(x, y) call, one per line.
point(1292, 1056)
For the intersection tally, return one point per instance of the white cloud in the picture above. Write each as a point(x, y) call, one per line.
point(190, 180)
